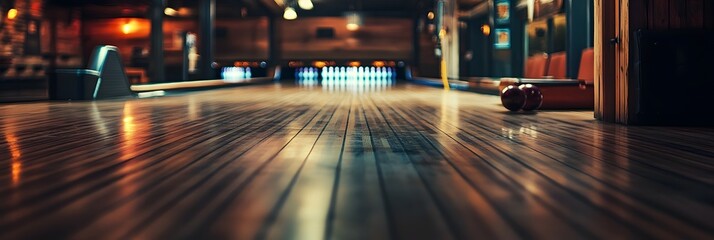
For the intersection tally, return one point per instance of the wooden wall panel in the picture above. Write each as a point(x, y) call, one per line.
point(658, 14)
point(244, 39)
point(677, 13)
point(388, 38)
point(695, 14)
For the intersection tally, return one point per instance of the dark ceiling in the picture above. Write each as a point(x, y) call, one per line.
point(249, 8)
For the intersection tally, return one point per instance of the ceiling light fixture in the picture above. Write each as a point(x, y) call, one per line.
point(290, 14)
point(305, 4)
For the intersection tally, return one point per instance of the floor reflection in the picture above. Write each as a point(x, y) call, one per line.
point(135, 128)
point(15, 151)
point(99, 122)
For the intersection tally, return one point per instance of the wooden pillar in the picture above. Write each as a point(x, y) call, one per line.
point(622, 62)
point(156, 72)
point(275, 40)
point(207, 18)
point(605, 26)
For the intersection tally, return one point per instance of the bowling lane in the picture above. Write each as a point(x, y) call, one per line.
point(344, 158)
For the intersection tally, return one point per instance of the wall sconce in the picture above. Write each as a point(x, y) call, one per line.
point(12, 13)
point(354, 21)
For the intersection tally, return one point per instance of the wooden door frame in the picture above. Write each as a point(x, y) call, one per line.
point(612, 59)
point(604, 27)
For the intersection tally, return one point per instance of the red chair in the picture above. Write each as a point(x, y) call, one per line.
point(557, 66)
point(587, 66)
point(536, 66)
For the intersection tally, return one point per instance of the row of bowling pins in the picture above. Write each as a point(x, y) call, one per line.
point(346, 73)
point(236, 73)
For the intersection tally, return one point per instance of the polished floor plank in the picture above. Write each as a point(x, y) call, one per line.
point(549, 207)
point(465, 209)
point(518, 148)
point(344, 162)
point(303, 212)
point(359, 204)
point(396, 173)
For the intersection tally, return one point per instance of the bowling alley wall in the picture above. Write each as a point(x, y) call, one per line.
point(243, 39)
point(129, 34)
point(377, 38)
point(22, 66)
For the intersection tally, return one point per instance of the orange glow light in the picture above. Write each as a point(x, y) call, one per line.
point(378, 63)
point(12, 14)
point(295, 64)
point(319, 64)
point(355, 64)
point(127, 28)
point(486, 29)
point(135, 27)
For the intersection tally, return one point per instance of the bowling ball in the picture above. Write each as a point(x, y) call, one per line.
point(513, 98)
point(534, 98)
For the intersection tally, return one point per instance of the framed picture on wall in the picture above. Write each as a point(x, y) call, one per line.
point(503, 38)
point(503, 12)
point(545, 8)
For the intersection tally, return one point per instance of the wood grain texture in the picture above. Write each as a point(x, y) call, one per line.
point(622, 63)
point(677, 14)
point(361, 161)
point(604, 59)
point(695, 14)
point(658, 14)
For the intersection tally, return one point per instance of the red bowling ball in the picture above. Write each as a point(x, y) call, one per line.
point(513, 98)
point(534, 98)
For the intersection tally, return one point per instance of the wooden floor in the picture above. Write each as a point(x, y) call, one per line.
point(344, 162)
